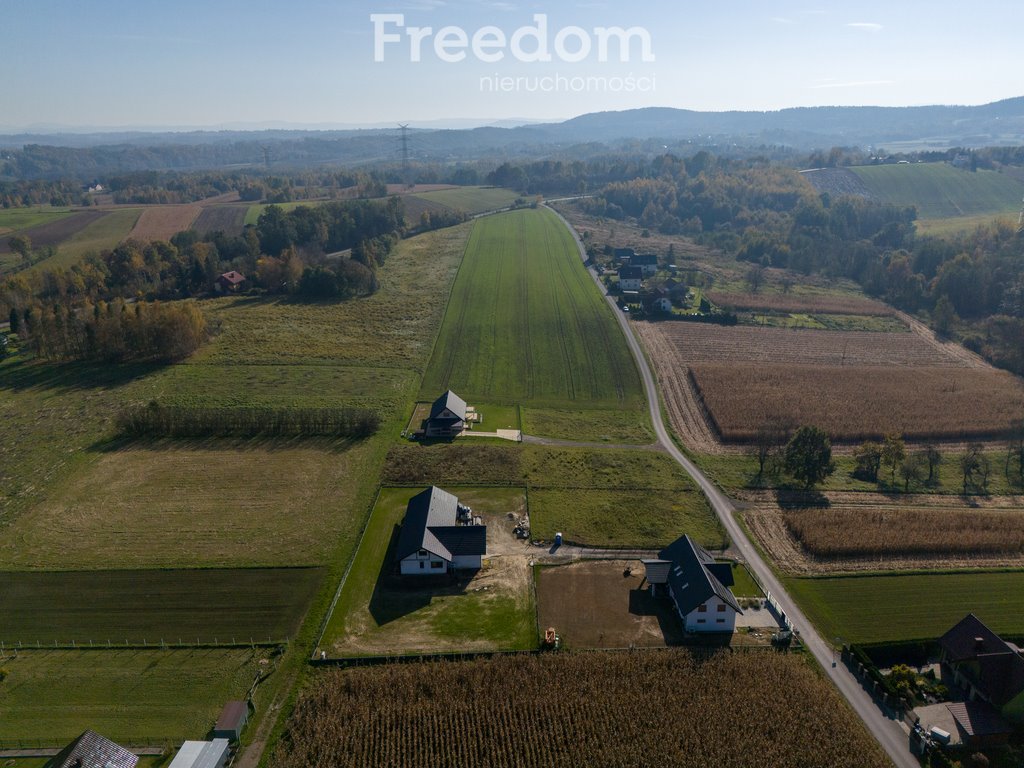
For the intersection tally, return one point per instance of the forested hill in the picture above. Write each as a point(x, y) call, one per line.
point(95, 155)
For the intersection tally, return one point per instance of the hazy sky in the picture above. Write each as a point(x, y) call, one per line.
point(184, 62)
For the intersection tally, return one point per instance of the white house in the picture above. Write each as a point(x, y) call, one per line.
point(630, 278)
point(697, 585)
point(439, 535)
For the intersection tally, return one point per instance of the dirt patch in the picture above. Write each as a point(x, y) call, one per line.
point(56, 232)
point(767, 521)
point(162, 222)
point(605, 604)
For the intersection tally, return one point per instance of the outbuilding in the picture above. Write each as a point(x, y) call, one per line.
point(231, 721)
point(202, 754)
point(90, 750)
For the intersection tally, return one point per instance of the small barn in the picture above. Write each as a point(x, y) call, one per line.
point(447, 416)
point(90, 750)
point(232, 721)
point(439, 535)
point(202, 754)
point(631, 278)
point(696, 584)
point(229, 282)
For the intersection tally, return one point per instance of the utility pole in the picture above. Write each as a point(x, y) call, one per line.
point(266, 155)
point(406, 171)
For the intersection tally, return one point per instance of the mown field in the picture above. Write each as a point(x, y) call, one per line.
point(378, 614)
point(599, 497)
point(102, 234)
point(853, 403)
point(578, 709)
point(14, 219)
point(938, 190)
point(796, 300)
point(527, 325)
point(136, 607)
point(130, 696)
point(867, 609)
point(471, 199)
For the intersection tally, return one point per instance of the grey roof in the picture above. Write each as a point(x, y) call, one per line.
point(644, 259)
point(201, 754)
point(431, 523)
point(233, 716)
point(90, 750)
point(449, 400)
point(693, 576)
point(630, 273)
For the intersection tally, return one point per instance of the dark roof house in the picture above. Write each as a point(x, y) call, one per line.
point(432, 525)
point(90, 750)
point(447, 415)
point(990, 668)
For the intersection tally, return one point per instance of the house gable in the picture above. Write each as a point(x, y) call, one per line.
point(431, 534)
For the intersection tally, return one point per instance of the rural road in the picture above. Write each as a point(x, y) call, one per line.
point(888, 732)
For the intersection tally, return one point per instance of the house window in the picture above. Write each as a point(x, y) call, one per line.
point(423, 553)
point(702, 608)
point(721, 608)
point(436, 565)
point(720, 621)
point(701, 621)
point(421, 565)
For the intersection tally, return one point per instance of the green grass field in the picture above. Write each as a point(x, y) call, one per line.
point(15, 219)
point(471, 199)
point(196, 606)
point(743, 583)
point(873, 609)
point(101, 235)
point(130, 696)
point(940, 191)
point(957, 224)
point(375, 617)
point(252, 216)
point(527, 325)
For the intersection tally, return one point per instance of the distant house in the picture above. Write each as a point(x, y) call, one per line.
point(231, 721)
point(648, 262)
point(630, 278)
point(90, 750)
point(229, 282)
point(447, 416)
point(985, 666)
point(623, 255)
point(657, 301)
point(202, 754)
point(697, 585)
point(439, 535)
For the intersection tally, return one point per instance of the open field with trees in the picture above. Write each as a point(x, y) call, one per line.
point(572, 709)
point(853, 403)
point(103, 233)
point(119, 607)
point(127, 695)
point(868, 609)
point(527, 325)
point(599, 497)
point(379, 614)
point(471, 199)
point(939, 190)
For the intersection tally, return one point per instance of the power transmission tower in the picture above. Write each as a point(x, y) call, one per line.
point(406, 169)
point(266, 156)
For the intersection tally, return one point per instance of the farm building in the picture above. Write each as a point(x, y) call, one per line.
point(448, 416)
point(229, 282)
point(648, 263)
point(231, 721)
point(90, 750)
point(202, 754)
point(697, 585)
point(630, 278)
point(439, 536)
point(985, 667)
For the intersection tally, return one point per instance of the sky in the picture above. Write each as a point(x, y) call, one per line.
point(226, 63)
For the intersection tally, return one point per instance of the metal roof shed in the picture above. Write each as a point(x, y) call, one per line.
point(231, 721)
point(202, 754)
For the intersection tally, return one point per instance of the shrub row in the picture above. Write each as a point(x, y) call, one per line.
point(155, 420)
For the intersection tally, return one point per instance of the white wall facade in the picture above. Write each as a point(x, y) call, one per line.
point(423, 563)
point(717, 616)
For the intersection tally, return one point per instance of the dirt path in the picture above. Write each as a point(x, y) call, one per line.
point(953, 349)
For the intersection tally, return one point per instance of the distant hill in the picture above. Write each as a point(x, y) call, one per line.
point(940, 191)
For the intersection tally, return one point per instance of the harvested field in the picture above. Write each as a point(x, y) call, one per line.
point(857, 403)
point(53, 233)
point(414, 207)
point(162, 222)
point(578, 710)
point(855, 532)
point(402, 189)
point(228, 219)
point(821, 303)
point(595, 604)
point(184, 605)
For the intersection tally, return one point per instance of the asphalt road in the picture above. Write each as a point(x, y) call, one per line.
point(888, 732)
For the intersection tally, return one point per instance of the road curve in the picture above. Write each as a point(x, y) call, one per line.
point(889, 733)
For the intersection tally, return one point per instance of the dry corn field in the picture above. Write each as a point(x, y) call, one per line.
point(654, 708)
point(790, 302)
point(856, 403)
point(722, 383)
point(868, 532)
point(162, 222)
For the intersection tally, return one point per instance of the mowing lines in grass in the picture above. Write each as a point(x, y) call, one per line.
point(868, 609)
point(191, 606)
point(526, 324)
